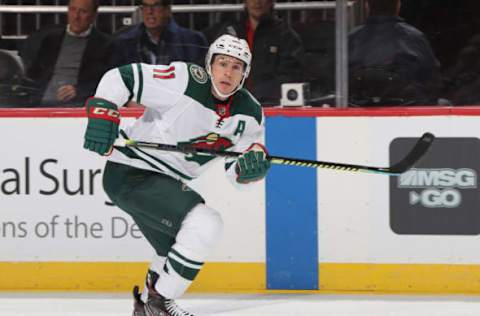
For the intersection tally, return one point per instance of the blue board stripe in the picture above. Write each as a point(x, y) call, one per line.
point(291, 208)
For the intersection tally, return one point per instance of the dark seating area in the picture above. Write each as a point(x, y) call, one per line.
point(15, 89)
point(449, 26)
point(319, 56)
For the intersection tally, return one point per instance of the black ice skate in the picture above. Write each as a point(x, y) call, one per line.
point(157, 305)
point(138, 305)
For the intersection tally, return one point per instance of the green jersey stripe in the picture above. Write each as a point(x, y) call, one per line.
point(229, 164)
point(173, 257)
point(185, 259)
point(140, 83)
point(177, 172)
point(132, 155)
point(186, 272)
point(126, 73)
point(164, 164)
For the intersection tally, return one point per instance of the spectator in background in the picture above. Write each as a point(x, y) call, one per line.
point(67, 62)
point(390, 61)
point(276, 48)
point(461, 81)
point(158, 40)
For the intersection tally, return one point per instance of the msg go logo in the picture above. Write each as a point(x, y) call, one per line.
point(441, 186)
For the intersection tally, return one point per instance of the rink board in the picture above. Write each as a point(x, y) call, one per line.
point(316, 230)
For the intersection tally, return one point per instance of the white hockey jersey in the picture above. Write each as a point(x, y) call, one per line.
point(180, 108)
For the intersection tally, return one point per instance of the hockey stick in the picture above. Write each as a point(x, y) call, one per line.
point(400, 167)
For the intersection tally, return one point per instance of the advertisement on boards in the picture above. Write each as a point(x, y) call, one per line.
point(440, 195)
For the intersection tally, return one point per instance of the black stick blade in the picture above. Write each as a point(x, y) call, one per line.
point(420, 148)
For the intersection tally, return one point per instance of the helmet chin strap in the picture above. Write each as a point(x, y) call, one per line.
point(224, 96)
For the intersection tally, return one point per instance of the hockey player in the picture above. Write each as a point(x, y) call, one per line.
point(184, 104)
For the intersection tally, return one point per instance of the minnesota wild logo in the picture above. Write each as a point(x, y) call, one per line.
point(212, 141)
point(198, 74)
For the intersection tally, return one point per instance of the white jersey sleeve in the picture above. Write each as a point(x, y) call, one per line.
point(153, 86)
point(111, 88)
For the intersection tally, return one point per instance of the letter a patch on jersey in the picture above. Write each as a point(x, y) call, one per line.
point(168, 73)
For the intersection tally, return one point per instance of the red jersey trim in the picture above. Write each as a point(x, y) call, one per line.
point(169, 76)
point(169, 69)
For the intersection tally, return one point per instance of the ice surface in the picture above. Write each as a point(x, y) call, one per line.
point(101, 304)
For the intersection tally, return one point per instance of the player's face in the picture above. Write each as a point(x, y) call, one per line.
point(81, 15)
point(227, 73)
point(155, 15)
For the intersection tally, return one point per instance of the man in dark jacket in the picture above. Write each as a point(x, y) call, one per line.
point(158, 40)
point(66, 63)
point(277, 49)
point(390, 61)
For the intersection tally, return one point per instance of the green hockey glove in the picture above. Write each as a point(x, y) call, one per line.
point(102, 128)
point(252, 165)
